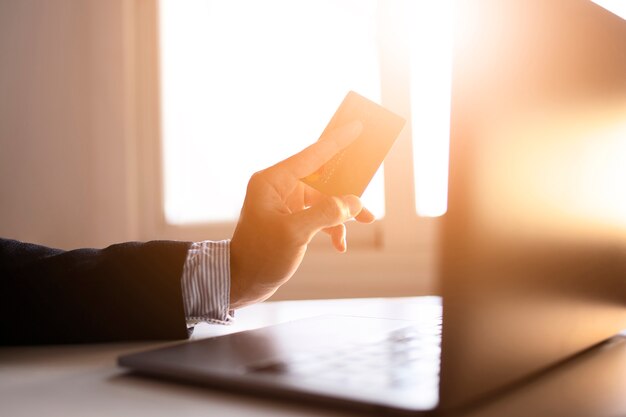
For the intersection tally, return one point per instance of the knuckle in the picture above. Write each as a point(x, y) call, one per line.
point(256, 179)
point(331, 209)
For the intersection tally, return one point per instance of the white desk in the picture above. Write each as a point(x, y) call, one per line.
point(85, 380)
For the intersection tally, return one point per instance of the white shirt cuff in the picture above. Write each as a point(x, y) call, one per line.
point(206, 283)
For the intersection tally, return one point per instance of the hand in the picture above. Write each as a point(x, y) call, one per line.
point(280, 216)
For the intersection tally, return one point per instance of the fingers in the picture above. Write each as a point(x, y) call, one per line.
point(311, 158)
point(337, 236)
point(365, 216)
point(312, 196)
point(326, 213)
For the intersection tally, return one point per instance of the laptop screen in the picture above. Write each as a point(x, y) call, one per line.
point(533, 258)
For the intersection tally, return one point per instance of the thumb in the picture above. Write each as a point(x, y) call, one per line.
point(327, 212)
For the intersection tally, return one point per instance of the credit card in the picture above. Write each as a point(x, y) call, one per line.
point(352, 169)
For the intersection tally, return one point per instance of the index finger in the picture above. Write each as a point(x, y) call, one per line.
point(313, 157)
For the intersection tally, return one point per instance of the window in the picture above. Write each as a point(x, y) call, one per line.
point(244, 84)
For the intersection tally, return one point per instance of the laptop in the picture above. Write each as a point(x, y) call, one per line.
point(532, 257)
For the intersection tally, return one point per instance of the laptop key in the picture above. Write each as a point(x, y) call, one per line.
point(408, 357)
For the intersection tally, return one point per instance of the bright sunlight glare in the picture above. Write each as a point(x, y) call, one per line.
point(245, 84)
point(617, 7)
point(431, 78)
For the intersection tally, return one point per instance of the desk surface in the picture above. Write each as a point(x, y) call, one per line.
point(85, 380)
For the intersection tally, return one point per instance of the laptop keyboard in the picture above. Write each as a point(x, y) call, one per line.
point(406, 358)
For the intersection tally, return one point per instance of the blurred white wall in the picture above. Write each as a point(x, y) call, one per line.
point(65, 128)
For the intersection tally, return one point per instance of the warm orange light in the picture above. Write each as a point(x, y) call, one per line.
point(562, 174)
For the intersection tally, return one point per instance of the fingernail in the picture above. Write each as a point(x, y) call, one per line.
point(357, 128)
point(354, 204)
point(349, 133)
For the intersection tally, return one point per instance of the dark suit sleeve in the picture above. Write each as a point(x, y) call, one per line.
point(129, 291)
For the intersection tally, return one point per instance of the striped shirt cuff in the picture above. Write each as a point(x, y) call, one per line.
point(206, 283)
